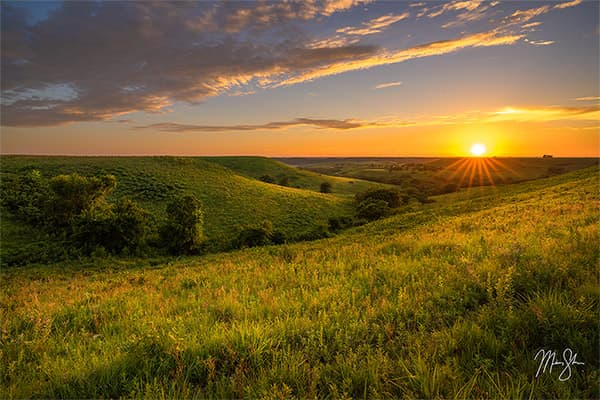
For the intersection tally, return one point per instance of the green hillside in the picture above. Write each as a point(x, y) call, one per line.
point(230, 200)
point(256, 167)
point(452, 300)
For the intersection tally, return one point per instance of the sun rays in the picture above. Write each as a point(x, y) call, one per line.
point(479, 171)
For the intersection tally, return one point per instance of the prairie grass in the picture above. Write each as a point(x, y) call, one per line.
point(449, 300)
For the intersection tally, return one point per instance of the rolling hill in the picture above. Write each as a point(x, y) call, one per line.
point(452, 300)
point(231, 200)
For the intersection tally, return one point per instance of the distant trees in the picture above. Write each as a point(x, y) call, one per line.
point(268, 178)
point(372, 209)
point(325, 187)
point(182, 232)
point(74, 194)
point(121, 228)
point(391, 197)
point(284, 181)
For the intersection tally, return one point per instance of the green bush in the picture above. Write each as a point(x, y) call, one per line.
point(26, 197)
point(391, 197)
point(121, 228)
point(182, 233)
point(325, 187)
point(336, 224)
point(372, 209)
point(267, 178)
point(252, 237)
point(74, 194)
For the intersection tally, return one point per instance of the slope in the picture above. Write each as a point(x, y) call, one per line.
point(257, 167)
point(451, 301)
point(230, 200)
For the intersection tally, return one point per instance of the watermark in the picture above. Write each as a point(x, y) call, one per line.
point(549, 359)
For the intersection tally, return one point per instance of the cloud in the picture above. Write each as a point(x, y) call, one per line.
point(387, 85)
point(92, 61)
point(375, 25)
point(523, 16)
point(568, 4)
point(475, 11)
point(506, 114)
point(121, 57)
point(318, 123)
point(540, 42)
point(544, 114)
point(531, 25)
point(588, 98)
point(456, 5)
point(383, 57)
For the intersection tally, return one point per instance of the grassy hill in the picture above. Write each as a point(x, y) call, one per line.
point(435, 172)
point(256, 167)
point(452, 300)
point(230, 200)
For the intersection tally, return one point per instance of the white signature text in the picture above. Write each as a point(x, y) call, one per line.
point(549, 360)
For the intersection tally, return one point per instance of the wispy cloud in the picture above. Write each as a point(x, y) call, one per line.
point(281, 125)
point(375, 25)
point(588, 98)
point(382, 57)
point(387, 85)
point(539, 114)
point(123, 57)
point(531, 25)
point(456, 5)
point(568, 4)
point(539, 42)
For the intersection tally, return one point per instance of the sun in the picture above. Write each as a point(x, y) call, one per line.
point(478, 149)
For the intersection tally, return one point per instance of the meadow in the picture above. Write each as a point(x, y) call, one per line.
point(433, 174)
point(449, 299)
point(233, 199)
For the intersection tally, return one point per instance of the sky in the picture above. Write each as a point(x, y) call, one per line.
point(310, 78)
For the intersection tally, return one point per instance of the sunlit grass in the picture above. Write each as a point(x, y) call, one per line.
point(452, 300)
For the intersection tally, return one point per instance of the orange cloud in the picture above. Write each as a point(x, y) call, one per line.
point(387, 85)
point(483, 39)
point(373, 26)
point(568, 4)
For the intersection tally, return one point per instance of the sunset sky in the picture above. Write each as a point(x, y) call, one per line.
point(313, 78)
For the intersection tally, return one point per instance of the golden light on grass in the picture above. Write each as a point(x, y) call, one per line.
point(478, 149)
point(479, 171)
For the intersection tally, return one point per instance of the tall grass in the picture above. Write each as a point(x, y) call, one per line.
point(449, 301)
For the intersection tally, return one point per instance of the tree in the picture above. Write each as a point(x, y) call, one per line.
point(267, 178)
point(372, 209)
point(75, 194)
point(325, 187)
point(182, 233)
point(284, 181)
point(26, 197)
point(390, 196)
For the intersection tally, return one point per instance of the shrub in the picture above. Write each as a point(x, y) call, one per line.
point(325, 187)
point(252, 237)
point(267, 178)
point(391, 197)
point(449, 188)
point(75, 194)
point(336, 224)
point(182, 233)
point(284, 181)
point(372, 209)
point(318, 232)
point(26, 197)
point(121, 228)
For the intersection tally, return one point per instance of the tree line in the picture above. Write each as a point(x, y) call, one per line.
point(73, 209)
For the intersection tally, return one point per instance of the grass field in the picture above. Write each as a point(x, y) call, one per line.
point(452, 299)
point(231, 200)
point(435, 172)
